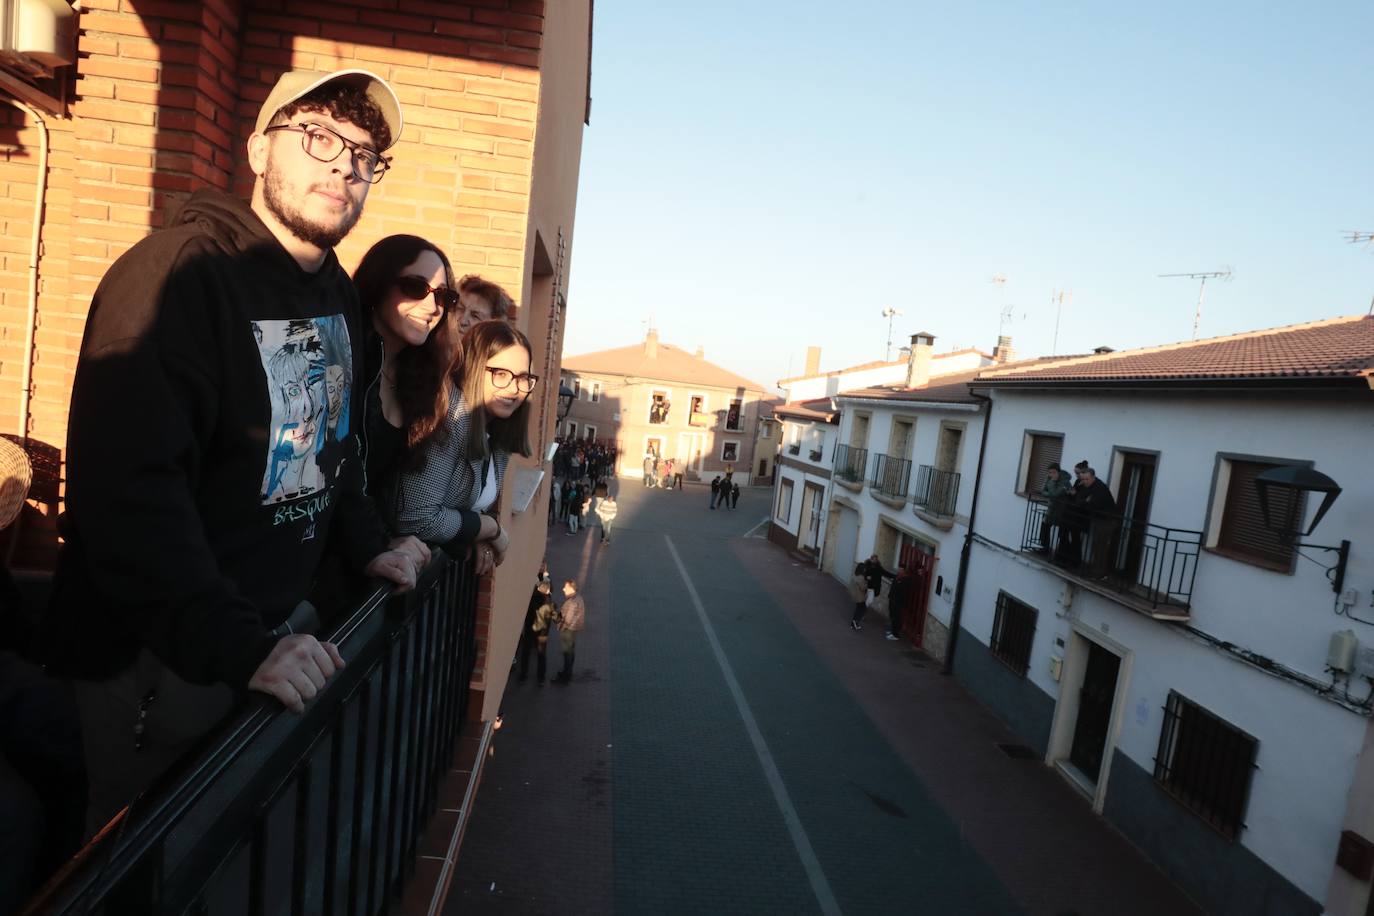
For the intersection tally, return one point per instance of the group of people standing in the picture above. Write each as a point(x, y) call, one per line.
point(663, 473)
point(540, 617)
point(866, 587)
point(724, 491)
point(1081, 520)
point(253, 434)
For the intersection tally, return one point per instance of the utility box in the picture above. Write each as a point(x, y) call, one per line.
point(1056, 667)
point(1340, 655)
point(37, 36)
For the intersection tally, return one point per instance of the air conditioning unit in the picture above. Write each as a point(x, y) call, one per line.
point(37, 36)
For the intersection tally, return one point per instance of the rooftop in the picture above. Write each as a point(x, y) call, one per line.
point(1336, 350)
point(882, 364)
point(816, 409)
point(953, 388)
point(668, 364)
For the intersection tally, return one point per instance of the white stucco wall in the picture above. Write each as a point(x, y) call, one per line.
point(1308, 746)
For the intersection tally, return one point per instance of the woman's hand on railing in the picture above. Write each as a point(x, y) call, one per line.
point(484, 559)
point(395, 566)
point(417, 549)
point(296, 670)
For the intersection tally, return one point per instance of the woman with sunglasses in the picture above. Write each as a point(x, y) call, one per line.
point(452, 479)
point(405, 285)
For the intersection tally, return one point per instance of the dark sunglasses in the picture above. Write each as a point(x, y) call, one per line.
point(417, 288)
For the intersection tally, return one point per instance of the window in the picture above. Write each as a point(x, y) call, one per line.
point(765, 429)
point(858, 433)
point(815, 442)
point(596, 392)
point(793, 433)
point(1042, 451)
point(1241, 533)
point(589, 433)
point(572, 430)
point(1206, 764)
point(697, 403)
point(659, 405)
point(784, 510)
point(900, 437)
point(734, 416)
point(1013, 632)
point(729, 451)
point(577, 388)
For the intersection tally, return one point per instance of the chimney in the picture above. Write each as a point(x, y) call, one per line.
point(1003, 352)
point(701, 352)
point(813, 361)
point(918, 363)
point(651, 344)
point(1101, 351)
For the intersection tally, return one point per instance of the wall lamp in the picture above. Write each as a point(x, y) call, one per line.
point(565, 398)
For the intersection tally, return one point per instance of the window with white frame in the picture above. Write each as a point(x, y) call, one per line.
point(1237, 528)
point(784, 511)
point(734, 416)
point(572, 429)
point(577, 388)
point(590, 433)
point(596, 392)
point(1039, 453)
point(659, 405)
point(729, 450)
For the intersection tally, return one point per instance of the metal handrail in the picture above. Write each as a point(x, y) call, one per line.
point(200, 831)
point(1149, 562)
point(850, 463)
point(891, 476)
point(937, 491)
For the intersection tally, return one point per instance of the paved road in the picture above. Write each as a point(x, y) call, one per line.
point(730, 746)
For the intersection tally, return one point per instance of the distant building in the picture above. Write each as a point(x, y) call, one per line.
point(657, 397)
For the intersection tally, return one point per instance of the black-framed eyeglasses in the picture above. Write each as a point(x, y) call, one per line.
point(502, 378)
point(325, 145)
point(417, 288)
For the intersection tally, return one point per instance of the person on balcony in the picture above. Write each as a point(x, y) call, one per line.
point(1055, 494)
point(448, 488)
point(213, 453)
point(481, 300)
point(1094, 499)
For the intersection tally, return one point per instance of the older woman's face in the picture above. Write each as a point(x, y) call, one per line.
point(474, 308)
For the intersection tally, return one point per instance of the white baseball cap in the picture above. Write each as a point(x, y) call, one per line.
point(297, 83)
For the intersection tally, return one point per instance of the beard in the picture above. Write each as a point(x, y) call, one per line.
point(321, 235)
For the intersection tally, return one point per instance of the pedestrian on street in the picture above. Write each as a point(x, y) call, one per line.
point(541, 595)
point(572, 617)
point(666, 481)
point(897, 597)
point(734, 495)
point(873, 574)
point(606, 510)
point(858, 593)
point(715, 490)
point(539, 630)
point(577, 500)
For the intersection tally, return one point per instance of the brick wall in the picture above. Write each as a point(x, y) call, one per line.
point(165, 96)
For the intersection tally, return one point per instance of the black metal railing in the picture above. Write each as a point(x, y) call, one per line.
point(1150, 562)
point(850, 463)
point(937, 491)
point(1013, 633)
point(320, 812)
point(816, 454)
point(891, 476)
point(1206, 763)
point(794, 448)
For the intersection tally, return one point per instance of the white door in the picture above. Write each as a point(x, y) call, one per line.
point(810, 518)
point(846, 543)
point(689, 450)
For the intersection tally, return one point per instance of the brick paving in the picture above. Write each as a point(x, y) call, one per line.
point(637, 790)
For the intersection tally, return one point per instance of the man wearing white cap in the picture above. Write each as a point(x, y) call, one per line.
point(206, 472)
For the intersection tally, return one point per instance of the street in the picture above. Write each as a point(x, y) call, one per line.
point(729, 745)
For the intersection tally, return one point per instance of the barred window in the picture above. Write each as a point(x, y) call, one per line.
point(1206, 764)
point(1013, 632)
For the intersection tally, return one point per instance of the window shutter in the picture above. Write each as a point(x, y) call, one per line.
point(1242, 522)
point(1045, 453)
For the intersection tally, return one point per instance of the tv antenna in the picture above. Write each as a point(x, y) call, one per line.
point(889, 313)
point(1360, 237)
point(1057, 297)
point(1204, 276)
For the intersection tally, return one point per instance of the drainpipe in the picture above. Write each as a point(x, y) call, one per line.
point(958, 612)
point(31, 321)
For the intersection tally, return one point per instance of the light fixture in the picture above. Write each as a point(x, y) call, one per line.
point(1281, 490)
point(566, 396)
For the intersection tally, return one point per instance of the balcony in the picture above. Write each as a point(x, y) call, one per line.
point(318, 812)
point(794, 448)
point(850, 465)
point(815, 455)
point(891, 477)
point(702, 420)
point(937, 493)
point(1146, 567)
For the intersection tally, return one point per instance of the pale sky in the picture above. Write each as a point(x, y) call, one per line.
point(762, 177)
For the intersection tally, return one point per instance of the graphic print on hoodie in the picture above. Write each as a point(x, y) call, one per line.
point(308, 365)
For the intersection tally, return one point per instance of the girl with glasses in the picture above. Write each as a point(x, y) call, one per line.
point(450, 483)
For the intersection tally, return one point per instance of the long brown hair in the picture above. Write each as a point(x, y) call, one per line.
point(421, 386)
point(467, 372)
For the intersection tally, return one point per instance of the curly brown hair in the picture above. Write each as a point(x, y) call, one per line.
point(500, 301)
point(341, 102)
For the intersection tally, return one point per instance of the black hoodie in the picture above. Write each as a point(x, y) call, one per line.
point(212, 450)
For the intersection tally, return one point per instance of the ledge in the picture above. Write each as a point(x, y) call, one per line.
point(854, 486)
point(943, 522)
point(896, 502)
point(1171, 613)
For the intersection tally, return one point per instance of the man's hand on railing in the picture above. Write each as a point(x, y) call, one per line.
point(395, 566)
point(296, 670)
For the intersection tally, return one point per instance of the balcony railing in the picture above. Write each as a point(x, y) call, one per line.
point(937, 491)
point(320, 812)
point(850, 463)
point(815, 454)
point(704, 420)
point(794, 448)
point(891, 477)
point(1148, 562)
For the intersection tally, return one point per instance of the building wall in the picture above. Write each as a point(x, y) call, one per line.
point(623, 414)
point(164, 98)
point(1308, 745)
